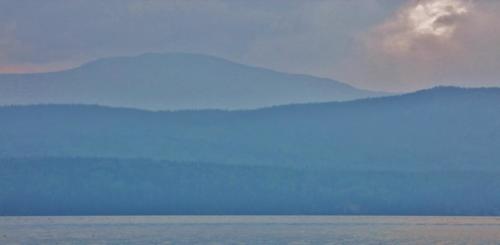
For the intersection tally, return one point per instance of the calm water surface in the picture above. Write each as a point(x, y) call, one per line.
point(249, 230)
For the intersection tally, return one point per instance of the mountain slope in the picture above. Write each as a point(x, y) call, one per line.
point(433, 152)
point(172, 81)
point(442, 128)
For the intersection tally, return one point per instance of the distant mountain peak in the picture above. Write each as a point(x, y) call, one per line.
point(173, 81)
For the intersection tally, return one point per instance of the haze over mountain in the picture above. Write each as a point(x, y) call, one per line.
point(172, 81)
point(430, 152)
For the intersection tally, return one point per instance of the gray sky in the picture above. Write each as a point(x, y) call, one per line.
point(392, 45)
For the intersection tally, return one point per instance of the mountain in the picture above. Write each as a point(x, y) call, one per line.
point(436, 129)
point(172, 81)
point(432, 152)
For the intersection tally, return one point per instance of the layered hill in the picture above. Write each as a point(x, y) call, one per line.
point(172, 81)
point(433, 152)
point(438, 128)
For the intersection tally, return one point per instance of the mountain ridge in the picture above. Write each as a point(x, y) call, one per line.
point(428, 91)
point(409, 128)
point(432, 152)
point(173, 81)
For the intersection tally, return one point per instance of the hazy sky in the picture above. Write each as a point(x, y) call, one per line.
point(391, 45)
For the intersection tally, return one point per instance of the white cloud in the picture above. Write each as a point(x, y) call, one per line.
point(433, 42)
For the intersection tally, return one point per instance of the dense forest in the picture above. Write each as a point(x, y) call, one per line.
point(69, 186)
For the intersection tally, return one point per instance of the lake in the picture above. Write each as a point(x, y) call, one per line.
point(249, 230)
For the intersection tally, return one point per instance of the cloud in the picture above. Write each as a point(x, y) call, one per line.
point(433, 42)
point(394, 45)
point(81, 30)
point(8, 41)
point(296, 36)
point(314, 36)
point(420, 26)
point(34, 68)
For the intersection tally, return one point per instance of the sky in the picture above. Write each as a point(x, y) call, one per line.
point(386, 45)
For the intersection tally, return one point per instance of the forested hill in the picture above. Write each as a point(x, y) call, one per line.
point(91, 186)
point(433, 152)
point(441, 128)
